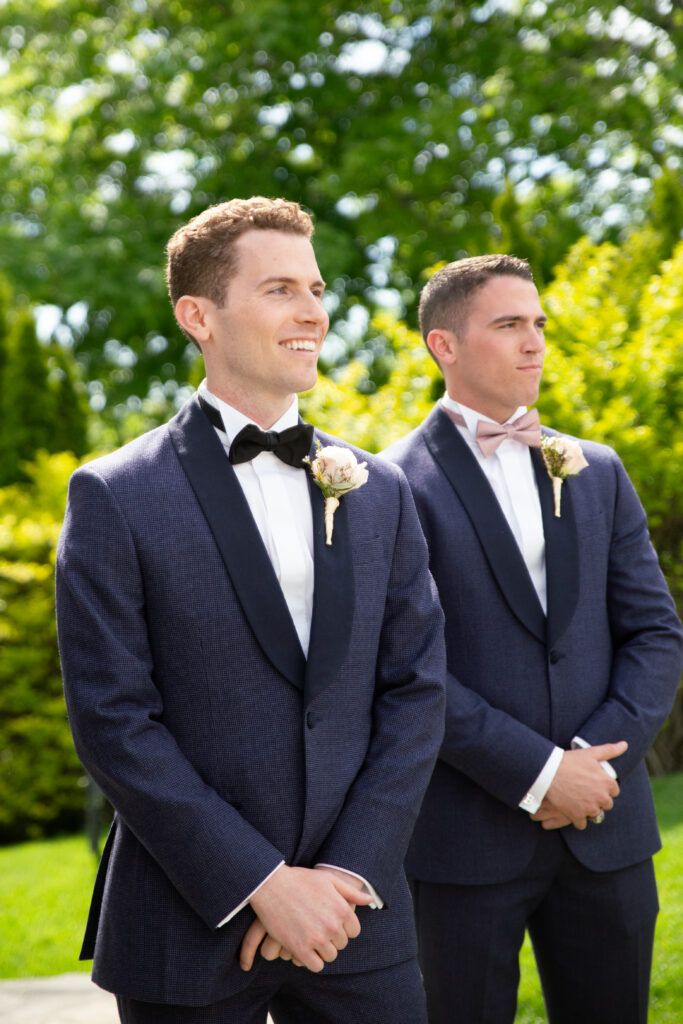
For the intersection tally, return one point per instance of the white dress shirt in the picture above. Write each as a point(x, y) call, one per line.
point(279, 500)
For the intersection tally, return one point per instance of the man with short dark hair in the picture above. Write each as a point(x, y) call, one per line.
point(253, 660)
point(564, 652)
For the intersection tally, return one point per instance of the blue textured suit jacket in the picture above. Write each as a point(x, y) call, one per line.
point(222, 749)
point(603, 665)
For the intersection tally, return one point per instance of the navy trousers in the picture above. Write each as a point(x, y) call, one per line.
point(294, 995)
point(592, 934)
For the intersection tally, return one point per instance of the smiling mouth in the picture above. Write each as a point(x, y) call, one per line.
point(299, 345)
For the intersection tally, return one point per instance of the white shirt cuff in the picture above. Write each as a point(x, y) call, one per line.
point(578, 742)
point(534, 798)
point(244, 902)
point(377, 901)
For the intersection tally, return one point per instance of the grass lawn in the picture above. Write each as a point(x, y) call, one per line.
point(45, 890)
point(44, 896)
point(666, 998)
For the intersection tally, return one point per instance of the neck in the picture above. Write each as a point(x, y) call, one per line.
point(264, 410)
point(498, 415)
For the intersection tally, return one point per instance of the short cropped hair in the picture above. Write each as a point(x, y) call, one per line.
point(201, 255)
point(445, 298)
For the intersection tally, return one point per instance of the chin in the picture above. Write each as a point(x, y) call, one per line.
point(530, 398)
point(306, 384)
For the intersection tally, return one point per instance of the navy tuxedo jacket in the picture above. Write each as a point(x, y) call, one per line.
point(222, 749)
point(604, 664)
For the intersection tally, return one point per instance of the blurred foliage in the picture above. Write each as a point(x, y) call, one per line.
point(42, 402)
point(415, 130)
point(40, 776)
point(613, 374)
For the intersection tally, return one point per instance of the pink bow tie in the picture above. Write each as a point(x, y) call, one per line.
point(526, 429)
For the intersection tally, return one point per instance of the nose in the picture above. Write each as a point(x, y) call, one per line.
point(534, 340)
point(310, 310)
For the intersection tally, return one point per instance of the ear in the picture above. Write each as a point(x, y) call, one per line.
point(191, 312)
point(443, 346)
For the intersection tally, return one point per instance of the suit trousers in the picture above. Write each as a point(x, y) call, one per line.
point(294, 995)
point(592, 934)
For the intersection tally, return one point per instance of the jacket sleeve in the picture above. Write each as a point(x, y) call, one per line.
point(497, 751)
point(213, 857)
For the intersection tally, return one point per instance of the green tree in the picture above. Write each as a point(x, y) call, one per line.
point(40, 398)
point(397, 122)
point(5, 304)
point(27, 400)
point(71, 416)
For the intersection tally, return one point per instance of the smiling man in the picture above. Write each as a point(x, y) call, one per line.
point(261, 708)
point(564, 652)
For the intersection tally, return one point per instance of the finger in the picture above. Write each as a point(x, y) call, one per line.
point(271, 948)
point(580, 823)
point(312, 961)
point(350, 893)
point(352, 926)
point(327, 951)
point(250, 943)
point(555, 823)
point(608, 751)
point(340, 939)
point(285, 954)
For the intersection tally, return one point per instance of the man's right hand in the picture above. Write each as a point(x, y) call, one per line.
point(581, 787)
point(308, 912)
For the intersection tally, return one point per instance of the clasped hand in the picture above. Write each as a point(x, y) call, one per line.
point(581, 787)
point(305, 915)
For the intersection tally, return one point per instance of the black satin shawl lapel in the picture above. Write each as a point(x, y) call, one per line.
point(561, 551)
point(333, 595)
point(222, 500)
point(465, 476)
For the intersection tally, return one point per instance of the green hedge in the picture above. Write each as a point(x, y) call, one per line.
point(42, 785)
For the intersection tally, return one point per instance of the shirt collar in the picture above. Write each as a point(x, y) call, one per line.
point(472, 417)
point(234, 421)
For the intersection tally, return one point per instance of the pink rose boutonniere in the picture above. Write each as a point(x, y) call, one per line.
point(563, 457)
point(336, 471)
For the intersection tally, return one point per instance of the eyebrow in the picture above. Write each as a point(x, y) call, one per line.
point(506, 318)
point(290, 280)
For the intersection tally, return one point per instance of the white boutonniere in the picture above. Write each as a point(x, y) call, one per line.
point(335, 471)
point(563, 457)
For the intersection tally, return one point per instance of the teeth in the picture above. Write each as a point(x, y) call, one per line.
point(300, 344)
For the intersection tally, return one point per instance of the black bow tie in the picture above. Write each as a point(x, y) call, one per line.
point(290, 446)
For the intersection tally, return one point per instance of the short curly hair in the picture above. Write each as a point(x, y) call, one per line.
point(201, 255)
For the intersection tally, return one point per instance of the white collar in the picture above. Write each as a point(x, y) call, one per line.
point(234, 420)
point(472, 417)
